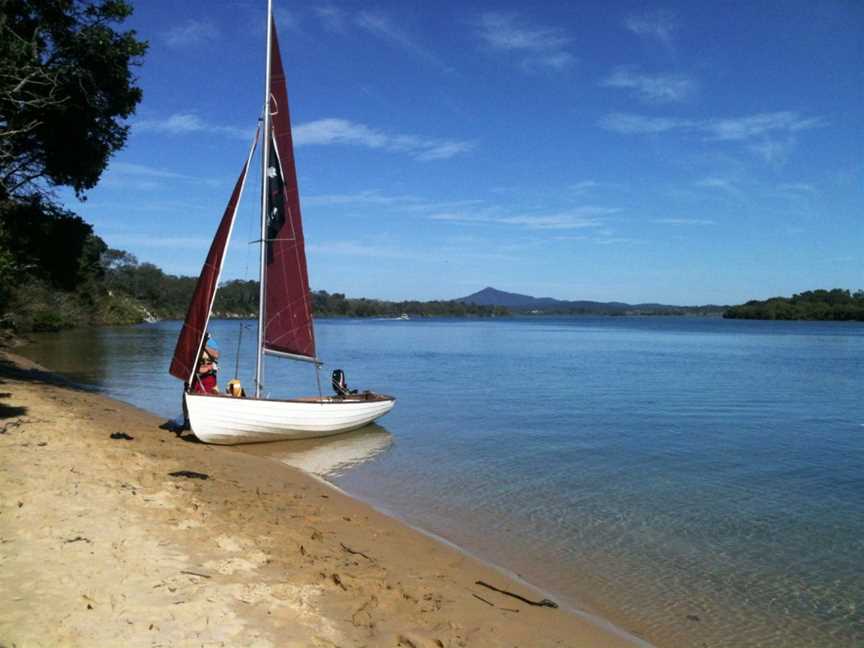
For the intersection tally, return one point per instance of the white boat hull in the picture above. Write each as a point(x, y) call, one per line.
point(228, 421)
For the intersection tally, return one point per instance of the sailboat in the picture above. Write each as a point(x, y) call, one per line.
point(284, 312)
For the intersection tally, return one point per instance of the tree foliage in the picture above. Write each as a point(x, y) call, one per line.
point(836, 304)
point(168, 296)
point(50, 265)
point(66, 84)
point(338, 305)
point(50, 243)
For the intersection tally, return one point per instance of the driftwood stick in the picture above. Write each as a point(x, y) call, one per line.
point(482, 599)
point(191, 573)
point(189, 474)
point(543, 603)
point(355, 552)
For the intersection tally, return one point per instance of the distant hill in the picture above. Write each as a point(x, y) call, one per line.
point(547, 305)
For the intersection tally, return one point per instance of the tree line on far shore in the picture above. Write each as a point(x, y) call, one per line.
point(836, 304)
point(55, 273)
point(61, 275)
point(167, 296)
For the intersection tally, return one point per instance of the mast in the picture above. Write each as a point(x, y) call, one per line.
point(264, 163)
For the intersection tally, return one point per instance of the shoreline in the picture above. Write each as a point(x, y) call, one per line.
point(539, 592)
point(102, 546)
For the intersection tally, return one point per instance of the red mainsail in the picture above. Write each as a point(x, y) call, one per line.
point(287, 305)
point(184, 362)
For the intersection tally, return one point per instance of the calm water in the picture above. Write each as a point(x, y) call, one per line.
point(698, 481)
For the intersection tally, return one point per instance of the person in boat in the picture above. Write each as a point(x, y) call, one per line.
point(235, 389)
point(206, 381)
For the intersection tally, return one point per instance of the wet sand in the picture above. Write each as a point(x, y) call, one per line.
point(100, 545)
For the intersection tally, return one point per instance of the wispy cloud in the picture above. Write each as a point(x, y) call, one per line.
point(724, 185)
point(287, 20)
point(557, 61)
point(378, 24)
point(659, 26)
point(322, 131)
point(797, 187)
point(773, 151)
point(541, 47)
point(396, 203)
point(184, 123)
point(158, 207)
point(742, 128)
point(768, 135)
point(167, 242)
point(190, 34)
point(653, 89)
point(333, 18)
point(456, 253)
point(384, 27)
point(342, 131)
point(617, 240)
point(141, 176)
point(799, 194)
point(684, 221)
point(128, 168)
point(582, 187)
point(363, 198)
point(630, 124)
point(570, 237)
point(352, 248)
point(715, 182)
point(500, 31)
point(579, 218)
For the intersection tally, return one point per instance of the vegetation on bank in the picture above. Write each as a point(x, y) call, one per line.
point(338, 305)
point(836, 304)
point(79, 281)
point(167, 296)
point(66, 89)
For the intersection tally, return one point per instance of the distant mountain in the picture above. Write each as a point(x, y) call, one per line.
point(526, 303)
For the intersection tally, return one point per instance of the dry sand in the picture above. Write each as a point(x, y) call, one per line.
point(101, 546)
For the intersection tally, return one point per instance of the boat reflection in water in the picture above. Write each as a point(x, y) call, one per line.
point(328, 456)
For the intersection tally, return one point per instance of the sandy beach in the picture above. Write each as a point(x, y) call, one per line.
point(146, 539)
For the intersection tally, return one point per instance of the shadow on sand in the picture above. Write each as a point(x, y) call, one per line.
point(11, 371)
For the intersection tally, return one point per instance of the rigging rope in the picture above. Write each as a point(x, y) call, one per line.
point(318, 380)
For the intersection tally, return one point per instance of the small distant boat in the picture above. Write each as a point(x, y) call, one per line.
point(285, 309)
point(403, 316)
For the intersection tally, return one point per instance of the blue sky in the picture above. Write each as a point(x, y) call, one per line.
point(686, 153)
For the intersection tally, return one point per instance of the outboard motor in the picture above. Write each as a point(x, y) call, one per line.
point(340, 385)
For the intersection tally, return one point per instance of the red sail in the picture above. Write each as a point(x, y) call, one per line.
point(191, 337)
point(288, 308)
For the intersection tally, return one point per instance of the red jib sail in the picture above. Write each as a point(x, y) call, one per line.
point(184, 362)
point(287, 305)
